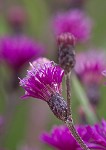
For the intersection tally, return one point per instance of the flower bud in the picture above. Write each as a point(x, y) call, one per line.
point(66, 43)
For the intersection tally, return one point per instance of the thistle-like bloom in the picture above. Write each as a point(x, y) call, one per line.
point(43, 81)
point(89, 66)
point(74, 22)
point(18, 50)
point(61, 138)
point(96, 136)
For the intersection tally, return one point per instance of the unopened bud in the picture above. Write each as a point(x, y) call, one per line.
point(66, 43)
point(58, 106)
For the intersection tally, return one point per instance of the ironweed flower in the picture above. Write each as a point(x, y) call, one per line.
point(96, 136)
point(74, 22)
point(18, 50)
point(60, 137)
point(89, 66)
point(43, 81)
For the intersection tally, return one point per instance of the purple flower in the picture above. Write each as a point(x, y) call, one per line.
point(61, 138)
point(18, 50)
point(43, 80)
point(89, 65)
point(74, 22)
point(96, 136)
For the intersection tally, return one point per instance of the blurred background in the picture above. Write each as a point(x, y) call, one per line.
point(22, 121)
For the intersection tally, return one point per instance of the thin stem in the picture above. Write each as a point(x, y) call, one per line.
point(68, 89)
point(69, 121)
point(75, 134)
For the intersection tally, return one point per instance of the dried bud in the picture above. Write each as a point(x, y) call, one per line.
point(66, 43)
point(58, 106)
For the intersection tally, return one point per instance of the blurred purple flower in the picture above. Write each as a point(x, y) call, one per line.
point(43, 80)
point(89, 65)
point(18, 50)
point(75, 22)
point(96, 136)
point(61, 138)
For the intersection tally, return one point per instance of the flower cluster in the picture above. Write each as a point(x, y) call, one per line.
point(18, 50)
point(61, 138)
point(89, 65)
point(43, 80)
point(74, 22)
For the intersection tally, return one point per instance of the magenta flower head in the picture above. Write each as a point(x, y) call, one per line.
point(45, 78)
point(61, 138)
point(43, 81)
point(89, 65)
point(74, 22)
point(96, 136)
point(18, 50)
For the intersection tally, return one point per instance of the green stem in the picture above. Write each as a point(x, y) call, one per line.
point(91, 116)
